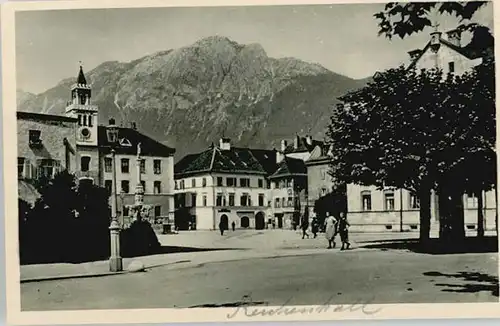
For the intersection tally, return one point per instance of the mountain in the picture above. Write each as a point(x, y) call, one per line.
point(190, 97)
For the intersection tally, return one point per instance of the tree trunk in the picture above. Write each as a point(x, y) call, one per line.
point(425, 214)
point(451, 214)
point(480, 215)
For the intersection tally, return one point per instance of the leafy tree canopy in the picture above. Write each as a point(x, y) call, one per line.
point(407, 18)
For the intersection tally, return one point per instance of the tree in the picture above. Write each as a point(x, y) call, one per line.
point(418, 130)
point(407, 18)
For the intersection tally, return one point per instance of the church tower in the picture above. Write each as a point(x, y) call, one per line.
point(80, 107)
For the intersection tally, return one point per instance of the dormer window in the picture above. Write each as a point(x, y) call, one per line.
point(34, 137)
point(125, 142)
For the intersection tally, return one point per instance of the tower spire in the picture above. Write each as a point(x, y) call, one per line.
point(81, 76)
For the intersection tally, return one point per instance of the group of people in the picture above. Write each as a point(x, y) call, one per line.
point(333, 226)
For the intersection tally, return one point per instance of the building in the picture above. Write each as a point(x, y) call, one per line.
point(77, 142)
point(225, 184)
point(289, 190)
point(46, 145)
point(389, 209)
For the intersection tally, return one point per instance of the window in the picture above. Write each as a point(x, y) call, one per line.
point(157, 166)
point(261, 199)
point(283, 202)
point(204, 182)
point(20, 167)
point(34, 137)
point(204, 200)
point(108, 184)
point(108, 164)
point(268, 184)
point(389, 201)
point(277, 203)
point(288, 183)
point(245, 182)
point(84, 120)
point(471, 200)
point(85, 163)
point(218, 201)
point(47, 168)
point(143, 183)
point(219, 181)
point(275, 185)
point(157, 187)
point(231, 182)
point(125, 211)
point(451, 67)
point(125, 186)
point(193, 200)
point(176, 186)
point(79, 119)
point(125, 165)
point(414, 202)
point(289, 202)
point(366, 200)
point(90, 121)
point(231, 199)
point(193, 183)
point(143, 166)
point(157, 211)
point(261, 183)
point(245, 200)
point(323, 191)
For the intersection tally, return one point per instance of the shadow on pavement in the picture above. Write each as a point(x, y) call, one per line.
point(437, 246)
point(176, 249)
point(476, 282)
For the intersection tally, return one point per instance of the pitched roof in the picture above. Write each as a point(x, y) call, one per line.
point(471, 52)
point(303, 145)
point(235, 160)
point(81, 77)
point(129, 138)
point(290, 166)
point(44, 117)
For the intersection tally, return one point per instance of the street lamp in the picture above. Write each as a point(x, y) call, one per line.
point(115, 260)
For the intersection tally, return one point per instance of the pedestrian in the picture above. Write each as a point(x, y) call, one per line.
point(233, 225)
point(344, 231)
point(330, 230)
point(221, 228)
point(304, 226)
point(314, 225)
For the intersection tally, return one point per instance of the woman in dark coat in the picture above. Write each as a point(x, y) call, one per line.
point(343, 229)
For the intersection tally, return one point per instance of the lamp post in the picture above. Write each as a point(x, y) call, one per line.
point(115, 260)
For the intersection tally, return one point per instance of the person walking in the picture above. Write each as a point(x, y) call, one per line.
point(304, 226)
point(314, 226)
point(221, 228)
point(330, 230)
point(344, 231)
point(233, 226)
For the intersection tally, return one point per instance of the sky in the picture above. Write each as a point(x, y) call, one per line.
point(341, 37)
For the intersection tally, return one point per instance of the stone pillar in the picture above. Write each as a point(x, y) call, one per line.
point(115, 261)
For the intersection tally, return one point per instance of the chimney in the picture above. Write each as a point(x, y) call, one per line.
point(309, 140)
point(279, 156)
point(296, 142)
point(454, 37)
point(283, 145)
point(111, 122)
point(225, 144)
point(414, 54)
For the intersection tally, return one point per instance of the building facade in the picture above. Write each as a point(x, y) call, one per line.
point(77, 142)
point(225, 185)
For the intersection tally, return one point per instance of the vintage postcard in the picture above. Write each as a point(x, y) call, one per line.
point(279, 160)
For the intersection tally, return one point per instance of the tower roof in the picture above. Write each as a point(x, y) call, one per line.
point(81, 77)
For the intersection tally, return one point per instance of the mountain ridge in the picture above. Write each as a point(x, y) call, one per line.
point(195, 94)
